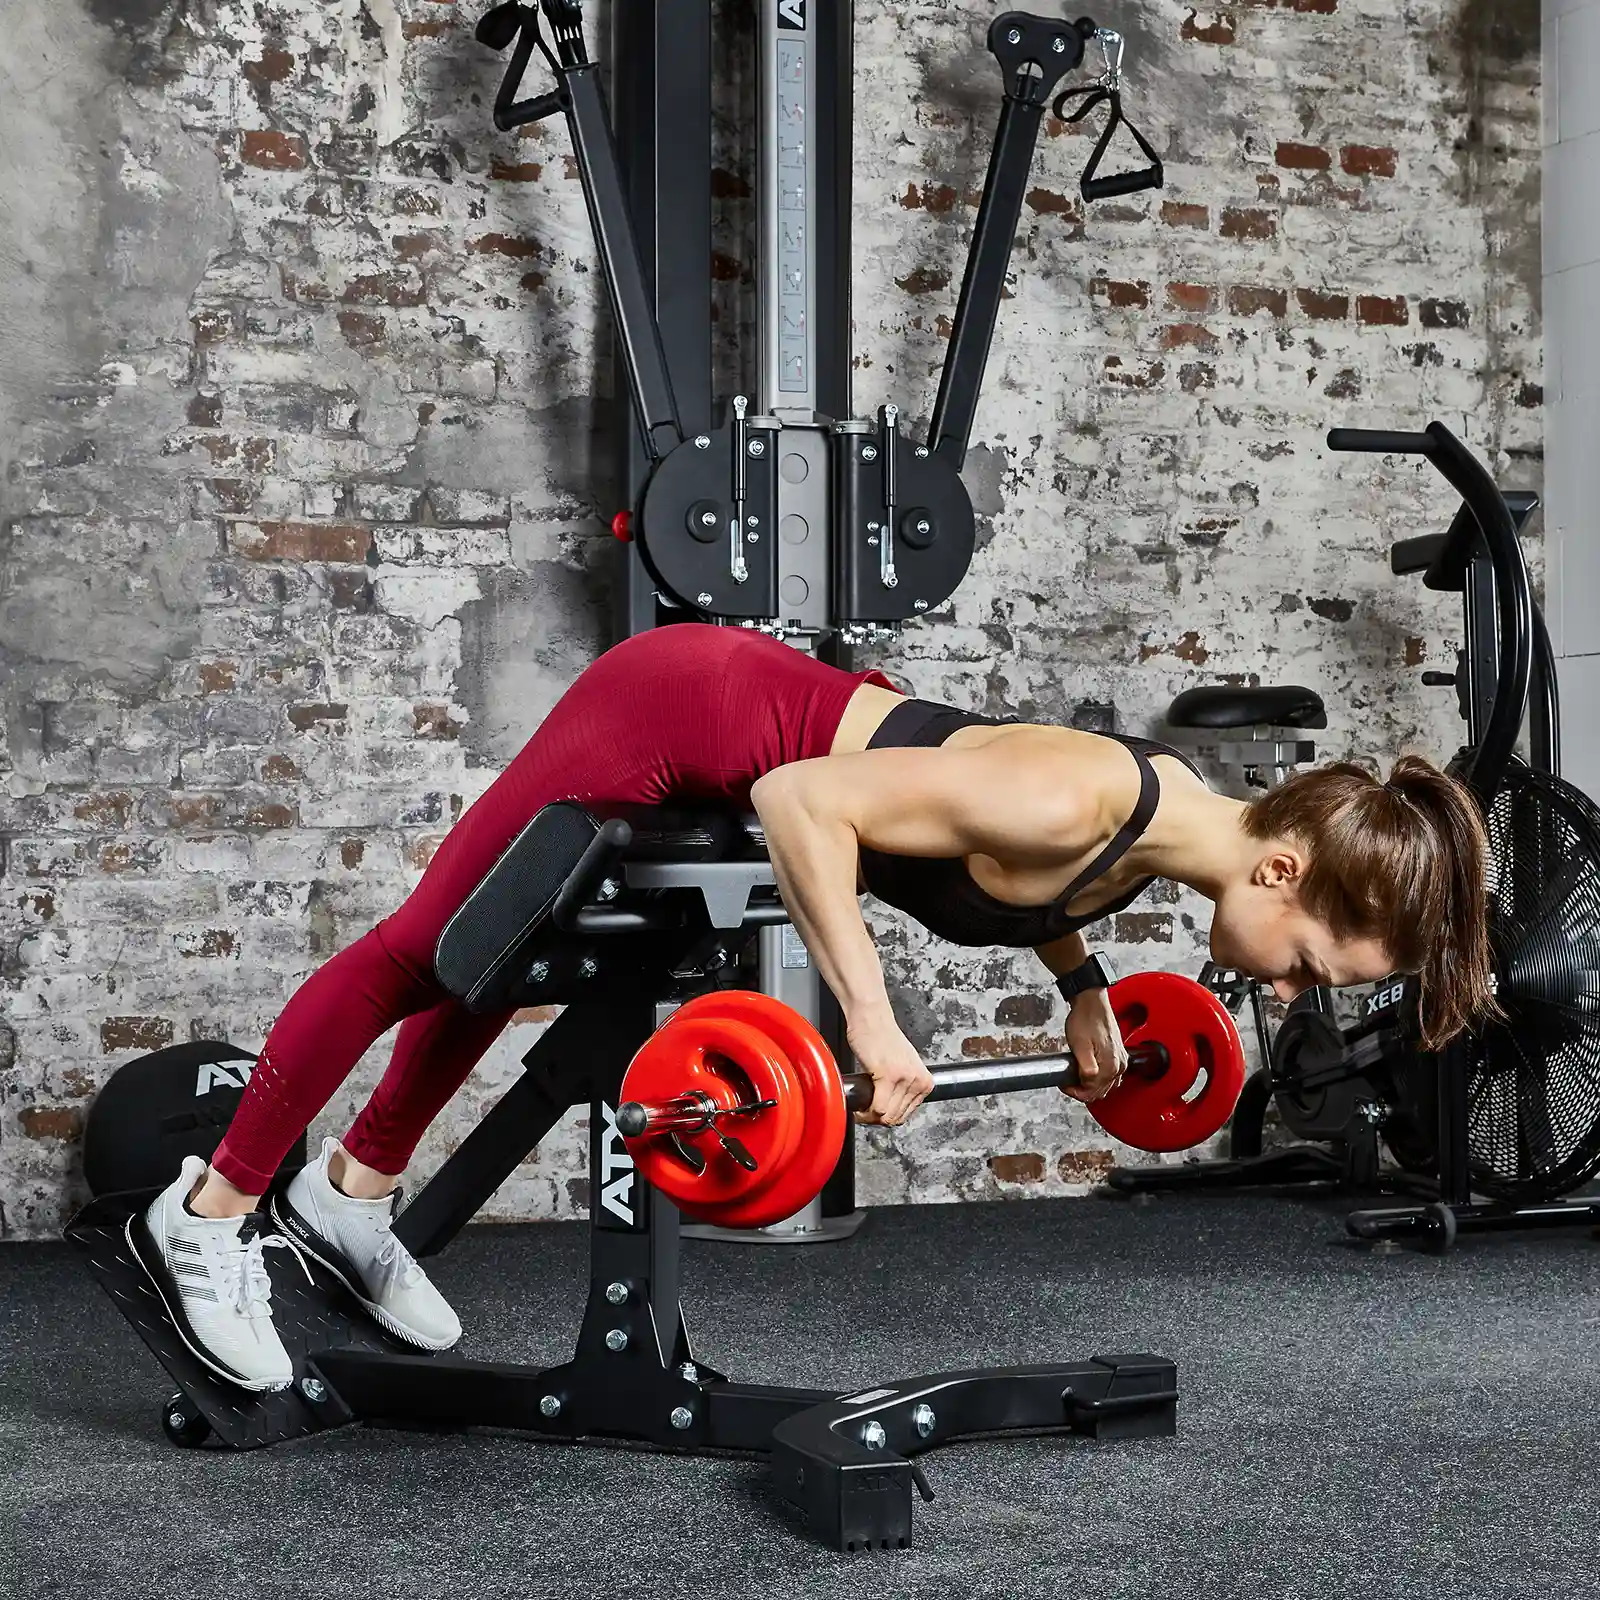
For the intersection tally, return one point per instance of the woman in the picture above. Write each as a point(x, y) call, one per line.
point(987, 832)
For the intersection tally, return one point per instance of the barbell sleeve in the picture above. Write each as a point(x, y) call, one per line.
point(685, 1114)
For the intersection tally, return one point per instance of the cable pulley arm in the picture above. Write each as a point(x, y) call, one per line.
point(1034, 53)
point(581, 99)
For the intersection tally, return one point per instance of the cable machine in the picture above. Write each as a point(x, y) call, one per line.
point(782, 510)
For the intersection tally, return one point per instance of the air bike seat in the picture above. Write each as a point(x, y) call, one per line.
point(1274, 716)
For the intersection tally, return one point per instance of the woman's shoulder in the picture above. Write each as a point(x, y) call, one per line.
point(1107, 753)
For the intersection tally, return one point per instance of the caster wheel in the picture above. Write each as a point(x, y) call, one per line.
point(183, 1423)
point(1442, 1228)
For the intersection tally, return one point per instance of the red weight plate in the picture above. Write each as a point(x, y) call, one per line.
point(731, 1064)
point(825, 1119)
point(1200, 1037)
point(710, 1055)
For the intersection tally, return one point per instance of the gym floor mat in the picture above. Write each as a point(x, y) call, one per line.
point(1351, 1425)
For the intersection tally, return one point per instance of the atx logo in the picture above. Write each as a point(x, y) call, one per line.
point(792, 14)
point(221, 1075)
point(616, 1170)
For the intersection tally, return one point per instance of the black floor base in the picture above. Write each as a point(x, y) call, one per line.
point(1436, 1226)
point(1296, 1168)
point(847, 1464)
point(845, 1461)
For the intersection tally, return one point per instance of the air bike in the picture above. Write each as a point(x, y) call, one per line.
point(1494, 1132)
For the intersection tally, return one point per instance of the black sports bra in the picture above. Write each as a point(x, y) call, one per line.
point(940, 892)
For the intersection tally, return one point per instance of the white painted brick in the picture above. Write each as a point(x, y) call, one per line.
point(468, 506)
point(475, 380)
point(1091, 492)
point(475, 547)
point(383, 502)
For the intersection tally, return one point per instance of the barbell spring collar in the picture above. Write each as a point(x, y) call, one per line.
point(690, 1113)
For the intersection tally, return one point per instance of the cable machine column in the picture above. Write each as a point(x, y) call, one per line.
point(662, 73)
point(803, 314)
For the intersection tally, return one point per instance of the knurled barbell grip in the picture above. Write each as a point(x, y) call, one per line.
point(974, 1078)
point(1005, 1075)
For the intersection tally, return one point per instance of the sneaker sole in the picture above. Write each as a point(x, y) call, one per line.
point(304, 1238)
point(180, 1323)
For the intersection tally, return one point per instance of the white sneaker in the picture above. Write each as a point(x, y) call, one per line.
point(211, 1276)
point(355, 1241)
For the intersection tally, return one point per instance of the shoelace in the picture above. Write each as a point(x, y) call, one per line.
point(245, 1275)
point(393, 1254)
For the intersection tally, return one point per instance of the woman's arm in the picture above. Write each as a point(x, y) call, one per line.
point(815, 856)
point(1092, 1033)
point(817, 815)
point(1063, 954)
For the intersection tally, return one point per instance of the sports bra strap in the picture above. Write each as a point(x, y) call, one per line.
point(1122, 841)
point(926, 723)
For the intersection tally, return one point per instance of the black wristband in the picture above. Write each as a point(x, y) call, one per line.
point(1095, 973)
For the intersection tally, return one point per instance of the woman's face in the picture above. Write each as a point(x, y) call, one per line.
point(1261, 929)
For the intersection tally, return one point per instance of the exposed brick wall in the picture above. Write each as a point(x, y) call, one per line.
point(305, 438)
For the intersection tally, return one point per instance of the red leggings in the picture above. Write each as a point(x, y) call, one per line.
point(683, 712)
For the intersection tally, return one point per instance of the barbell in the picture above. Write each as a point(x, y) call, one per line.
point(736, 1110)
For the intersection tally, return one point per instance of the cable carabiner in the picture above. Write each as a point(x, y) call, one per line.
point(1111, 78)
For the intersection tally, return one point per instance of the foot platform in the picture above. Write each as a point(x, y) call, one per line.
point(311, 1315)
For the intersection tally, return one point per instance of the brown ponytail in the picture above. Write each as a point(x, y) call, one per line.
point(1403, 862)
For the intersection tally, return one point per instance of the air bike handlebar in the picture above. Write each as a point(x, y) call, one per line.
point(1492, 519)
point(1380, 442)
